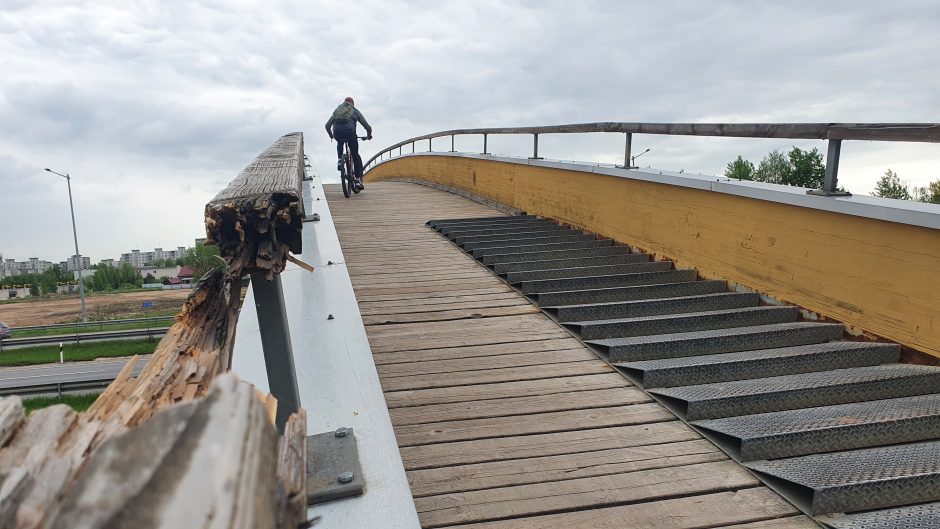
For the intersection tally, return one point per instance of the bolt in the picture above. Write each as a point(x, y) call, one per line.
point(330, 317)
point(341, 432)
point(345, 477)
point(329, 262)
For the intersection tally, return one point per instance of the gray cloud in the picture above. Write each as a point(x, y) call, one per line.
point(154, 106)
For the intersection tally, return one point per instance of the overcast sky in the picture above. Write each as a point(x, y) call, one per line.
point(154, 106)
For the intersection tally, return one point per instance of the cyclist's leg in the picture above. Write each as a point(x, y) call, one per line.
point(339, 148)
point(354, 152)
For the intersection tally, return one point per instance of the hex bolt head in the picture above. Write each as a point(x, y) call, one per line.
point(341, 432)
point(345, 477)
point(330, 317)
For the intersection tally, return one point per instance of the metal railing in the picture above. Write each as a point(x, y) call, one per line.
point(833, 132)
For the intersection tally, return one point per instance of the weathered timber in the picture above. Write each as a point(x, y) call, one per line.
point(60, 468)
point(260, 213)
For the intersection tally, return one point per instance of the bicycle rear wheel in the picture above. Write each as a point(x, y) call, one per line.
point(345, 177)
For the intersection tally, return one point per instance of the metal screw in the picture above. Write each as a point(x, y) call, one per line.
point(329, 262)
point(330, 317)
point(345, 477)
point(341, 432)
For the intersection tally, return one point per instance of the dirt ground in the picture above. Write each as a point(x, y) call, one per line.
point(105, 306)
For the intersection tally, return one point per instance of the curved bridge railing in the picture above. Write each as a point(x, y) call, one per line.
point(833, 132)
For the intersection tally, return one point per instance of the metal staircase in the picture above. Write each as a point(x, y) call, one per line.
point(840, 428)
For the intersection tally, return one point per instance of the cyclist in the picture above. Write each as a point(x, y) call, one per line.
point(342, 128)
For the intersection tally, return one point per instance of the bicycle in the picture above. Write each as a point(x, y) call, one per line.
point(347, 171)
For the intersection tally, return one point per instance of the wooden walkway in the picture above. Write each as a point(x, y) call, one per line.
point(503, 419)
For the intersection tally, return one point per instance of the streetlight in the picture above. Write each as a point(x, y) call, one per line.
point(632, 160)
point(78, 256)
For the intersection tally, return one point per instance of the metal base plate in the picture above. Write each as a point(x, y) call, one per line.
point(330, 460)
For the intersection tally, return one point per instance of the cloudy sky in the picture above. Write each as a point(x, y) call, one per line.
point(154, 106)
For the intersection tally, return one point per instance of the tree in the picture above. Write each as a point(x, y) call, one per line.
point(890, 186)
point(202, 259)
point(740, 169)
point(150, 279)
point(806, 169)
point(930, 193)
point(773, 168)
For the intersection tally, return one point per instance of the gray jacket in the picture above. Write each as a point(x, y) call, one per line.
point(344, 120)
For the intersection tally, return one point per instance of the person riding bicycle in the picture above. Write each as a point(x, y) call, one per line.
point(342, 128)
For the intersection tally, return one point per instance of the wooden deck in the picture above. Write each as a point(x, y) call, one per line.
point(505, 420)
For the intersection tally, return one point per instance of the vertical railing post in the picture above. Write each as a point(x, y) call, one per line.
point(452, 143)
point(429, 145)
point(412, 147)
point(275, 342)
point(399, 150)
point(627, 151)
point(484, 143)
point(831, 181)
point(535, 146)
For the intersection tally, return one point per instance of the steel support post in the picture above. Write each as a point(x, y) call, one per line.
point(831, 182)
point(627, 151)
point(275, 341)
point(412, 147)
point(451, 143)
point(535, 147)
point(484, 144)
point(429, 145)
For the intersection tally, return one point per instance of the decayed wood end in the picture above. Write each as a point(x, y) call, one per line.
point(207, 463)
point(292, 471)
point(260, 212)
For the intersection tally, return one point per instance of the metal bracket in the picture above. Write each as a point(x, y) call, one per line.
point(333, 470)
point(312, 218)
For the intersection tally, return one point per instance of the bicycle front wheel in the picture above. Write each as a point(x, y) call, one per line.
point(347, 183)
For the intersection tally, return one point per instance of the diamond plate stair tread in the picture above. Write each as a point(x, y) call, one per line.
point(522, 247)
point(859, 480)
point(806, 390)
point(922, 516)
point(435, 222)
point(588, 271)
point(693, 321)
point(525, 240)
point(653, 307)
point(524, 256)
point(518, 219)
point(717, 341)
point(617, 280)
point(454, 233)
point(829, 428)
point(592, 297)
point(553, 264)
point(760, 363)
point(460, 240)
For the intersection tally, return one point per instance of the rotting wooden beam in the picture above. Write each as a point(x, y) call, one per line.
point(141, 453)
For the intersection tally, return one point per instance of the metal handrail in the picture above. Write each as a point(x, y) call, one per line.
point(833, 132)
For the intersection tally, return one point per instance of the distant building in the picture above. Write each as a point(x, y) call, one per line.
point(139, 259)
point(71, 264)
point(34, 265)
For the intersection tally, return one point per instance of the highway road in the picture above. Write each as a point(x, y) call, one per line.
point(47, 378)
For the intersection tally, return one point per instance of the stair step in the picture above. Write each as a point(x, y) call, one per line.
point(806, 390)
point(920, 516)
point(548, 231)
point(525, 240)
point(589, 298)
point(760, 363)
point(693, 321)
point(653, 307)
point(859, 480)
point(588, 271)
point(717, 341)
point(526, 255)
point(553, 264)
point(535, 247)
point(498, 219)
point(828, 428)
point(617, 280)
point(529, 222)
point(509, 229)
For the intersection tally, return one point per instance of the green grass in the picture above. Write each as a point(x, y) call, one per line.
point(77, 402)
point(91, 327)
point(48, 354)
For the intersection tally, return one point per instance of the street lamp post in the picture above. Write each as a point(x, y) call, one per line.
point(633, 160)
point(78, 256)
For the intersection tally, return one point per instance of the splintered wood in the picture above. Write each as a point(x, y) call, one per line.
point(183, 444)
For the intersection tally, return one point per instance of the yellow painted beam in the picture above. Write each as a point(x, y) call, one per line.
point(876, 276)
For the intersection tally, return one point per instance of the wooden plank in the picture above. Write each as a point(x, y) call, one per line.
point(463, 339)
point(456, 365)
point(378, 308)
point(593, 492)
point(446, 353)
point(395, 296)
point(530, 423)
point(446, 315)
point(481, 409)
point(695, 512)
point(525, 446)
point(548, 386)
point(496, 375)
point(446, 480)
point(790, 522)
